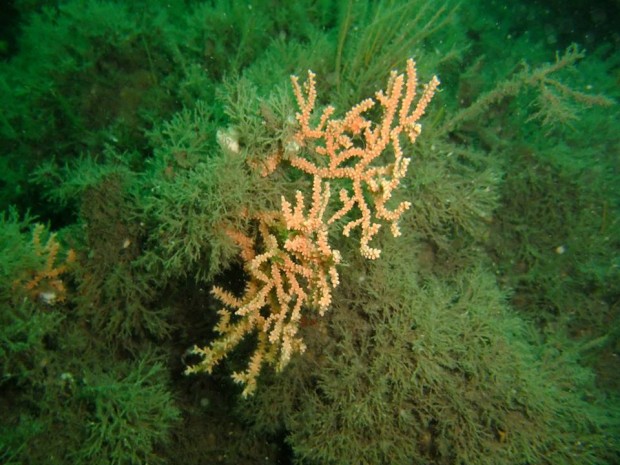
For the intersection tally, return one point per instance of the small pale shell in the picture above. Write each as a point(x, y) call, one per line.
point(48, 297)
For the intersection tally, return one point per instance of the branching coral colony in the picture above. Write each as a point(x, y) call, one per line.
point(290, 263)
point(44, 283)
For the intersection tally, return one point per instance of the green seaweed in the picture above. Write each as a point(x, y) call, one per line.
point(134, 137)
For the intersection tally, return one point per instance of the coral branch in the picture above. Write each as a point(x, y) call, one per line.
point(352, 146)
point(45, 283)
point(291, 265)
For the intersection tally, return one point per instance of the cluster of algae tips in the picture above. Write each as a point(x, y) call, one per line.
point(151, 153)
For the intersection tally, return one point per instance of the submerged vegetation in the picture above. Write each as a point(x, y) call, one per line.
point(158, 162)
